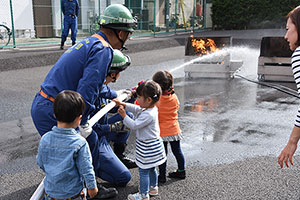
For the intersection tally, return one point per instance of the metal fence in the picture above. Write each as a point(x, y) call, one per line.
point(35, 22)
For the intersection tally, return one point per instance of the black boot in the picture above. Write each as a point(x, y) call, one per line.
point(73, 42)
point(62, 45)
point(105, 193)
point(177, 174)
point(119, 150)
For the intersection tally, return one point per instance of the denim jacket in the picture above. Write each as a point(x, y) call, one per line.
point(66, 159)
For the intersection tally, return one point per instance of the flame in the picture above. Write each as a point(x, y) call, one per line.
point(204, 46)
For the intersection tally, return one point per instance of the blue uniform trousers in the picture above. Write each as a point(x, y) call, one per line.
point(106, 164)
point(42, 114)
point(70, 22)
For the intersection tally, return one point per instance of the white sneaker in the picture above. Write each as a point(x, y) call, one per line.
point(137, 196)
point(153, 191)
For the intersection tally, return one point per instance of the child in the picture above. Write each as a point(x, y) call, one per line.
point(64, 155)
point(168, 123)
point(149, 147)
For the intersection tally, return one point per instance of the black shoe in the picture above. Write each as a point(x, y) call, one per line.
point(128, 162)
point(177, 174)
point(105, 193)
point(62, 45)
point(73, 43)
point(162, 179)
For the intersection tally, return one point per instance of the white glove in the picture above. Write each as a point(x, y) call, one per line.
point(85, 130)
point(125, 91)
point(118, 127)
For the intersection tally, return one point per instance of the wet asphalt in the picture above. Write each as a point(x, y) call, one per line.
point(233, 130)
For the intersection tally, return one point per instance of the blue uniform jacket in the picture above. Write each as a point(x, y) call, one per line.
point(70, 7)
point(81, 68)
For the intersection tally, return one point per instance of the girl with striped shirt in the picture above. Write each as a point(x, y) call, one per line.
point(293, 37)
point(150, 151)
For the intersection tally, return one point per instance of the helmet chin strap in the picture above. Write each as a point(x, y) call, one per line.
point(122, 41)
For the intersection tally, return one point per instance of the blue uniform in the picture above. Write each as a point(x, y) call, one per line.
point(82, 68)
point(107, 165)
point(103, 124)
point(70, 9)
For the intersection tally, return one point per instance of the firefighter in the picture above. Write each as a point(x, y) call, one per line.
point(83, 68)
point(70, 9)
point(112, 127)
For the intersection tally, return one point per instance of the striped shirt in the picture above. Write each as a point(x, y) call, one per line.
point(150, 151)
point(296, 72)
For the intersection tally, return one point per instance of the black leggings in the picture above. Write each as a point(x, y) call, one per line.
point(175, 147)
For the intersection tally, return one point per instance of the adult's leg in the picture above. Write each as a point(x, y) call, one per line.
point(65, 31)
point(42, 114)
point(73, 30)
point(107, 166)
point(94, 144)
point(120, 141)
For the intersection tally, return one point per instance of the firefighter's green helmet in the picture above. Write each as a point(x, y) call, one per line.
point(120, 62)
point(117, 16)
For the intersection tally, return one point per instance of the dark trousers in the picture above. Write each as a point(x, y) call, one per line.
point(70, 22)
point(176, 149)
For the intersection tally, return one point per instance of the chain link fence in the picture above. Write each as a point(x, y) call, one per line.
point(37, 22)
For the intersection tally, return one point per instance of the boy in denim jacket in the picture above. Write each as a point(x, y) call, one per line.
point(64, 155)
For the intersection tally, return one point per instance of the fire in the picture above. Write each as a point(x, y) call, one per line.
point(204, 46)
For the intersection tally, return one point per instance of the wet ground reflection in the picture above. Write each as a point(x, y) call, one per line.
point(229, 120)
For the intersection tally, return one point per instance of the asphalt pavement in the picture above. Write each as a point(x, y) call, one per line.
point(233, 129)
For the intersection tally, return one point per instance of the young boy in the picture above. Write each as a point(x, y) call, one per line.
point(64, 155)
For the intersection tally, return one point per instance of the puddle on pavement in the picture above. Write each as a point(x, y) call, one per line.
point(227, 120)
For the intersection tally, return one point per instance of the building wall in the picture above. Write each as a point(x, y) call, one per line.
point(22, 14)
point(208, 20)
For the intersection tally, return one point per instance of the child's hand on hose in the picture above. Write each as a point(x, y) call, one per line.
point(122, 112)
point(118, 102)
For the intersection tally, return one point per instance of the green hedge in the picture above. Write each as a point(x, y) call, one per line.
point(247, 14)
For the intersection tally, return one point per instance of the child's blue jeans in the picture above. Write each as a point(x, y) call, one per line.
point(148, 177)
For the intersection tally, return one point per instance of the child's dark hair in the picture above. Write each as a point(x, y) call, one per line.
point(165, 80)
point(68, 105)
point(149, 89)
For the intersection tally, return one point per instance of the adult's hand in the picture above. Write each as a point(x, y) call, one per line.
point(128, 92)
point(118, 127)
point(85, 130)
point(286, 155)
